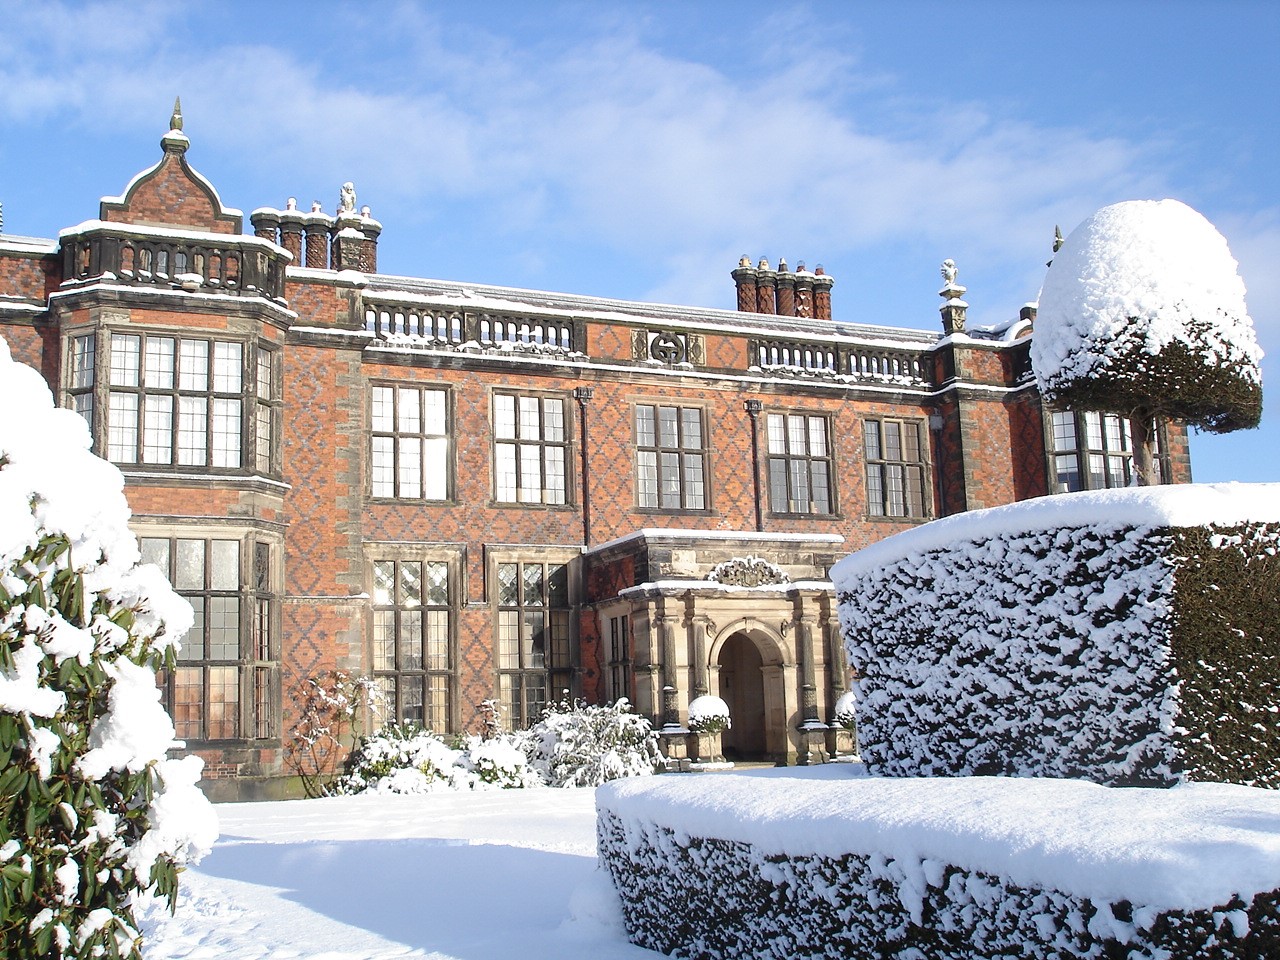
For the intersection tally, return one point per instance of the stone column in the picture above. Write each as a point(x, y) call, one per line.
point(813, 732)
point(348, 242)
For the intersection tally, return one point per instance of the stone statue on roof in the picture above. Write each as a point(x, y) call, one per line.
point(347, 198)
point(949, 272)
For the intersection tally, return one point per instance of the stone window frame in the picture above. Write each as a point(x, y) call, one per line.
point(445, 712)
point(400, 437)
point(515, 684)
point(544, 447)
point(1105, 458)
point(660, 450)
point(790, 458)
point(258, 619)
point(883, 469)
point(88, 388)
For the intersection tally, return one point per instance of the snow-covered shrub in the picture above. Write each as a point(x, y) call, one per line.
point(402, 758)
point(575, 745)
point(1084, 635)
point(91, 811)
point(846, 710)
point(407, 759)
point(500, 762)
point(708, 714)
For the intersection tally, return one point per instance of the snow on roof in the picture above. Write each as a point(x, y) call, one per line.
point(176, 233)
point(11, 243)
point(482, 296)
point(1158, 263)
point(1177, 505)
point(1191, 847)
point(717, 587)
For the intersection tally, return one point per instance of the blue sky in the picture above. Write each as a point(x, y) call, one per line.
point(637, 150)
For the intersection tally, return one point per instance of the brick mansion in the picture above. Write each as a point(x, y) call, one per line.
point(475, 493)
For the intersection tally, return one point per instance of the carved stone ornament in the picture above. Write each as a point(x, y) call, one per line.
point(748, 572)
point(347, 198)
point(667, 348)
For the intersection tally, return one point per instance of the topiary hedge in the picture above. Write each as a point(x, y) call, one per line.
point(1128, 654)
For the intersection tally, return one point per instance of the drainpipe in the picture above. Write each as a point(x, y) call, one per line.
point(753, 411)
point(583, 395)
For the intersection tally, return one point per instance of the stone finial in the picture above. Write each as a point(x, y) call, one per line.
point(782, 265)
point(291, 203)
point(744, 262)
point(763, 264)
point(366, 212)
point(949, 272)
point(317, 206)
point(347, 198)
point(175, 120)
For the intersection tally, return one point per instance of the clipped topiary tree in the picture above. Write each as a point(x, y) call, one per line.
point(1143, 315)
point(91, 811)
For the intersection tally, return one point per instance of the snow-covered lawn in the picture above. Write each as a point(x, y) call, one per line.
point(473, 876)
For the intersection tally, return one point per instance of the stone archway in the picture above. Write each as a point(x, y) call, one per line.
point(742, 686)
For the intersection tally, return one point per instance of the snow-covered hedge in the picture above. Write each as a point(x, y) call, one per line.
point(573, 745)
point(947, 868)
point(1116, 636)
point(91, 811)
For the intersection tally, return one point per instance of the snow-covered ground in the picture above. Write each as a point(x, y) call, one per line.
point(473, 876)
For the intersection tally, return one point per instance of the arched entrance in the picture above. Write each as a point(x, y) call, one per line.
point(741, 678)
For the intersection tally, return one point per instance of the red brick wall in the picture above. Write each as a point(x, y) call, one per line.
point(171, 195)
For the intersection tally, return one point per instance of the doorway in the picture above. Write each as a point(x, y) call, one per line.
point(742, 688)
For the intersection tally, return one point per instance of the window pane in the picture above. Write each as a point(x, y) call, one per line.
point(156, 550)
point(224, 628)
point(776, 434)
point(410, 478)
point(668, 432)
point(555, 488)
point(504, 417)
point(875, 490)
point(821, 487)
point(122, 428)
point(381, 409)
point(409, 415)
point(508, 589)
point(226, 433)
point(892, 441)
point(817, 437)
point(382, 467)
point(778, 500)
point(694, 491)
point(409, 642)
point(530, 473)
point(433, 412)
point(192, 645)
point(384, 572)
point(437, 640)
point(410, 585)
point(188, 700)
point(532, 581)
point(225, 563)
point(553, 420)
point(669, 477)
point(82, 362)
point(871, 431)
point(224, 703)
point(266, 389)
point(193, 365)
point(227, 367)
point(157, 437)
point(159, 372)
point(125, 360)
point(193, 431)
point(384, 637)
point(505, 469)
point(437, 583)
point(691, 425)
point(647, 478)
point(189, 573)
point(435, 479)
point(529, 421)
point(644, 426)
